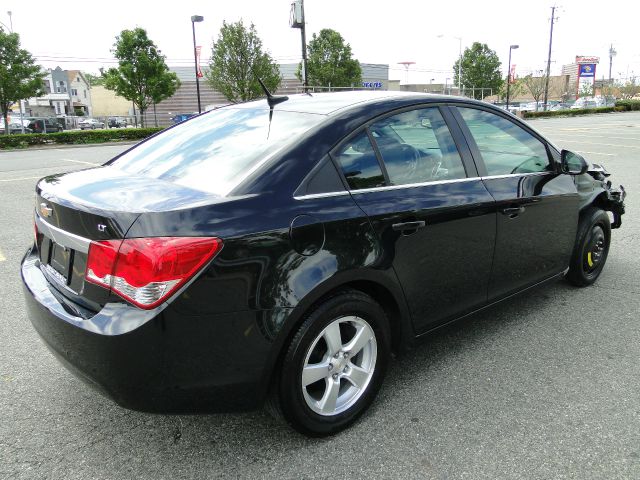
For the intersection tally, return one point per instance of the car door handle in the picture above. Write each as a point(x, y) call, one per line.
point(512, 211)
point(404, 226)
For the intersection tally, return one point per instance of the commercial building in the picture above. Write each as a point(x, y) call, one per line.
point(185, 100)
point(582, 75)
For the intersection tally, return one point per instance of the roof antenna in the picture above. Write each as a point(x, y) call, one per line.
point(272, 100)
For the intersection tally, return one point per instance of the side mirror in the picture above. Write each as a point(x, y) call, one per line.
point(572, 164)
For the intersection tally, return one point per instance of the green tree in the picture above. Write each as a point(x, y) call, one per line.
point(94, 80)
point(238, 60)
point(20, 77)
point(330, 62)
point(480, 69)
point(142, 75)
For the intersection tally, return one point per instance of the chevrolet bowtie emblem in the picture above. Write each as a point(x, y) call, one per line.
point(45, 210)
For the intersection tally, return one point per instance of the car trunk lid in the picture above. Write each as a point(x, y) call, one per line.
point(74, 209)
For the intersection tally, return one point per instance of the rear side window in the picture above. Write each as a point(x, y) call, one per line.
point(506, 148)
point(416, 146)
point(214, 152)
point(359, 163)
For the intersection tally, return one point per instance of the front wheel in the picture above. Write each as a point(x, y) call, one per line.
point(334, 365)
point(591, 249)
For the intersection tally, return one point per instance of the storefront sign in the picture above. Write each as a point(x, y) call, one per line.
point(588, 70)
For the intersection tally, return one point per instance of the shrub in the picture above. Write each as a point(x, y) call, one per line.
point(628, 105)
point(75, 137)
point(569, 112)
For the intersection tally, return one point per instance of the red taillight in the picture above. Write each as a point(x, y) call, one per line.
point(146, 271)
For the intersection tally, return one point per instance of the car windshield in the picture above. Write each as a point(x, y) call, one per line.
point(215, 151)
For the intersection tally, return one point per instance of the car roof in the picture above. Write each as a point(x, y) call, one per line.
point(331, 103)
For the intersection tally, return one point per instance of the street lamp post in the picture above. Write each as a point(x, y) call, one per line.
point(511, 47)
point(194, 19)
point(446, 83)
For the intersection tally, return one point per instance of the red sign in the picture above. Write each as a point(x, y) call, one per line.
point(198, 50)
point(512, 74)
point(587, 59)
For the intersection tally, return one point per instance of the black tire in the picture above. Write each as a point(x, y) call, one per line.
point(291, 401)
point(591, 249)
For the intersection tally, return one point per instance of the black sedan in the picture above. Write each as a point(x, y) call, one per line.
point(279, 251)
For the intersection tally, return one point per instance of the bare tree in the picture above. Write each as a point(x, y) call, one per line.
point(630, 89)
point(535, 85)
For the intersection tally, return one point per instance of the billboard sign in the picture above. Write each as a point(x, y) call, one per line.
point(588, 70)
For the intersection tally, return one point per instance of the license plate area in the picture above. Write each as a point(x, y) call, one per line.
point(57, 260)
point(60, 260)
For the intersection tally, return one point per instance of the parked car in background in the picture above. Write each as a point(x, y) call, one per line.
point(280, 250)
point(117, 122)
point(584, 102)
point(15, 126)
point(90, 124)
point(45, 125)
point(181, 117)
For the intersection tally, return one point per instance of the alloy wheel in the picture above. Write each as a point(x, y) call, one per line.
point(339, 365)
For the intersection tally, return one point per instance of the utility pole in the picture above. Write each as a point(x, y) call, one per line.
point(546, 87)
point(297, 20)
point(612, 53)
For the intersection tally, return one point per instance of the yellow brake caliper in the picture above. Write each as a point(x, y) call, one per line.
point(589, 261)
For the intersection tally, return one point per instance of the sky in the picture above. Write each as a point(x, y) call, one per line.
point(80, 35)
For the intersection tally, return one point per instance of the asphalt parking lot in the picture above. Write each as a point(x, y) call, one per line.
point(544, 386)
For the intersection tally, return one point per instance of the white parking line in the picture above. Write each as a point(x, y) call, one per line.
point(80, 161)
point(2, 257)
point(600, 144)
point(597, 153)
point(631, 137)
point(19, 179)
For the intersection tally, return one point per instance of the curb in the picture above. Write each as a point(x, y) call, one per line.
point(60, 146)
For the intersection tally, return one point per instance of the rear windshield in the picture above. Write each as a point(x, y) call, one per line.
point(216, 151)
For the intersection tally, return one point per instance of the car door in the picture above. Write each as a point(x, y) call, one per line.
point(537, 205)
point(434, 218)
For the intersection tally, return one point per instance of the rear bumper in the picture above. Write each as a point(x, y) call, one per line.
point(157, 361)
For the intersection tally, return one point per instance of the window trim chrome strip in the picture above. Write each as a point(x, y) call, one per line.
point(416, 185)
point(512, 175)
point(65, 239)
point(312, 196)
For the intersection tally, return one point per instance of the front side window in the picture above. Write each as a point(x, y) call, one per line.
point(417, 147)
point(359, 163)
point(506, 148)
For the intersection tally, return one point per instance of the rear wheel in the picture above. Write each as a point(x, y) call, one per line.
point(591, 249)
point(334, 365)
